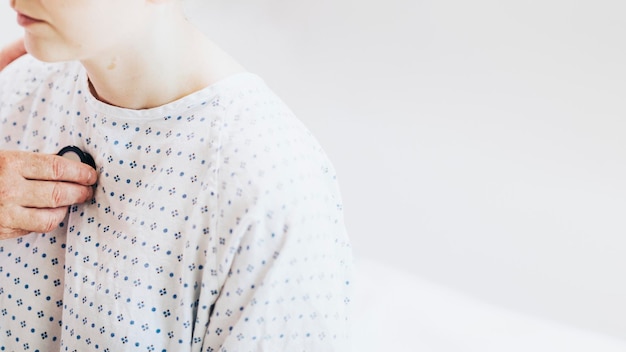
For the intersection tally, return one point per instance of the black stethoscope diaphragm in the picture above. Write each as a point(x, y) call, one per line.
point(74, 153)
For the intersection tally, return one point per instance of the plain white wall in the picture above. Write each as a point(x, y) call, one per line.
point(479, 144)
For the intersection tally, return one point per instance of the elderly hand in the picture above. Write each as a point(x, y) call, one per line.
point(11, 52)
point(36, 190)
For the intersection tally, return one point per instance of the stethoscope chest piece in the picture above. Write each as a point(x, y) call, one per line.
point(74, 153)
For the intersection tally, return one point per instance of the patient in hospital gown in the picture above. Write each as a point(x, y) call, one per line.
point(216, 222)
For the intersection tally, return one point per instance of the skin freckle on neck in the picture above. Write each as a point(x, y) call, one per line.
point(112, 64)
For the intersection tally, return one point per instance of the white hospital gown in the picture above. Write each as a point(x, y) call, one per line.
point(216, 224)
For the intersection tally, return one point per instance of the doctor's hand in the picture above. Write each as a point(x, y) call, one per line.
point(11, 52)
point(36, 190)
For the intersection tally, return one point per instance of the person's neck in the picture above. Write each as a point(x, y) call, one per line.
point(168, 64)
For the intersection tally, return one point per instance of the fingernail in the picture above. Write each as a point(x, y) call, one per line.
point(93, 178)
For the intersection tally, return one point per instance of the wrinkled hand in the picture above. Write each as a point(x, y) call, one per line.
point(11, 52)
point(36, 190)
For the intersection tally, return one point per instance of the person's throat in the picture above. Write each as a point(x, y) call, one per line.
point(153, 77)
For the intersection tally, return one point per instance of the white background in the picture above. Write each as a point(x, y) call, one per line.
point(479, 144)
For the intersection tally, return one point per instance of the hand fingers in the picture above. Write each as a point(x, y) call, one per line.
point(36, 190)
point(25, 220)
point(11, 52)
point(5, 234)
point(44, 167)
point(47, 194)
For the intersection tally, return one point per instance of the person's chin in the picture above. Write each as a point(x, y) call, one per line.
point(45, 51)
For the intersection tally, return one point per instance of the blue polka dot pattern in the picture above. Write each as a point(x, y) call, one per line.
point(216, 224)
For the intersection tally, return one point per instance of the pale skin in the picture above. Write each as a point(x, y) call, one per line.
point(138, 54)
